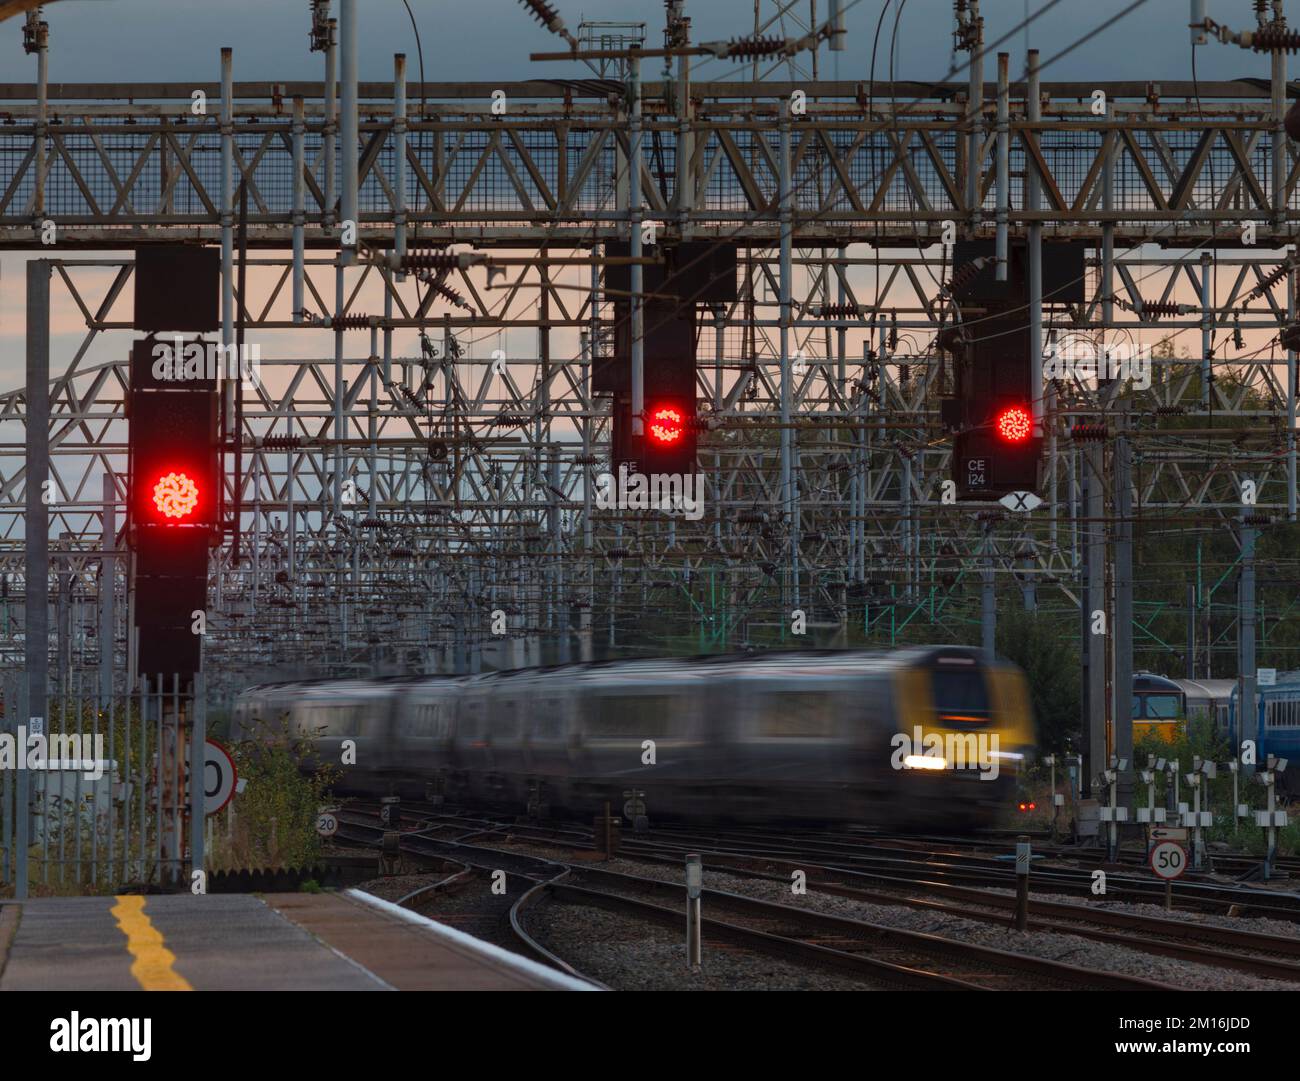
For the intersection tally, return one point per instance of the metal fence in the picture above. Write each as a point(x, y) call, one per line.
point(94, 790)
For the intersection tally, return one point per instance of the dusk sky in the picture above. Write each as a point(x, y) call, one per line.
point(154, 40)
point(175, 40)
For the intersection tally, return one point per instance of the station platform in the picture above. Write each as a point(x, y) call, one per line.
point(345, 941)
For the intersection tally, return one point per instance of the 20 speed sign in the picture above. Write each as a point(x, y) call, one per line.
point(1168, 860)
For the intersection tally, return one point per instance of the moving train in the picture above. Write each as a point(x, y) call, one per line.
point(827, 736)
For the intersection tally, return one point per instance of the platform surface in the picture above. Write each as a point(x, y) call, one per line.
point(281, 942)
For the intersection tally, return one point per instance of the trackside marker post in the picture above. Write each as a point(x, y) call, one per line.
point(694, 886)
point(1057, 798)
point(1022, 882)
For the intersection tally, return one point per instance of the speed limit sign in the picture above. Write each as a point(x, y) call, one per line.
point(327, 822)
point(1168, 860)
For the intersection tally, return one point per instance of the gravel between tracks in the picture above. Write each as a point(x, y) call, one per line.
point(398, 886)
point(634, 955)
point(1260, 925)
point(1067, 948)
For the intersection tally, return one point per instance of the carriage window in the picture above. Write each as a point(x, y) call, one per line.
point(429, 721)
point(1284, 714)
point(471, 719)
point(638, 716)
point(330, 721)
point(544, 719)
point(505, 718)
point(797, 714)
point(1164, 707)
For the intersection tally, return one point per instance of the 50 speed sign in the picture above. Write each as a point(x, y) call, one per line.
point(1168, 860)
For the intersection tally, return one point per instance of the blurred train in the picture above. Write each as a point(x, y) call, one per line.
point(811, 736)
point(1163, 705)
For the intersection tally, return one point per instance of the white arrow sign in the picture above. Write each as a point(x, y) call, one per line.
point(1021, 501)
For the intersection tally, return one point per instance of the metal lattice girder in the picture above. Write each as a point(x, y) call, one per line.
point(1184, 170)
point(426, 546)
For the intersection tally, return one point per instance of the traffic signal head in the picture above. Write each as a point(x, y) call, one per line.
point(173, 443)
point(1014, 424)
point(175, 495)
point(668, 443)
point(995, 450)
point(665, 426)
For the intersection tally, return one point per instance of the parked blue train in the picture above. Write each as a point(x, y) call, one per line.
point(1277, 712)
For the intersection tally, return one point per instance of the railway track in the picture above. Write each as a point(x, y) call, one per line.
point(1270, 956)
point(874, 953)
point(908, 859)
point(726, 934)
point(979, 966)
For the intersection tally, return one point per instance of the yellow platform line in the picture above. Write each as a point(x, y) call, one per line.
point(152, 960)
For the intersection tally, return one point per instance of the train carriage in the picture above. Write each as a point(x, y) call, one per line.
point(798, 736)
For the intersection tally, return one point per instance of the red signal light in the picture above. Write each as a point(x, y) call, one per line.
point(175, 495)
point(1014, 424)
point(667, 425)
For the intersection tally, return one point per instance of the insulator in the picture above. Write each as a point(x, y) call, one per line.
point(448, 293)
point(429, 260)
point(1274, 39)
point(281, 442)
point(411, 396)
point(1170, 411)
point(543, 13)
point(966, 274)
point(1269, 281)
point(618, 553)
point(351, 322)
point(1156, 309)
point(1257, 520)
point(1087, 433)
point(839, 311)
point(372, 523)
point(749, 48)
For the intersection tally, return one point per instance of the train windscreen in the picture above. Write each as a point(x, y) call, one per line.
point(960, 695)
point(1164, 707)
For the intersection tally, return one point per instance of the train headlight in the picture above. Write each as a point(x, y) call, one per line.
point(924, 761)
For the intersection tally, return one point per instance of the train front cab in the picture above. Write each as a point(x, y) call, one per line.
point(1159, 707)
point(976, 724)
